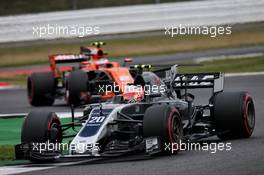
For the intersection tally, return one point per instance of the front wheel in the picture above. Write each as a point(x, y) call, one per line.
point(164, 121)
point(40, 127)
point(234, 115)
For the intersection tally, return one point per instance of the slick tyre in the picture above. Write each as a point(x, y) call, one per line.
point(234, 115)
point(41, 89)
point(40, 127)
point(77, 83)
point(163, 121)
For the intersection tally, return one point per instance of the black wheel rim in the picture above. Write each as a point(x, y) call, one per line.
point(55, 132)
point(250, 115)
point(176, 128)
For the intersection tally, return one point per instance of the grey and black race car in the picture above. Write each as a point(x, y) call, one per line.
point(165, 115)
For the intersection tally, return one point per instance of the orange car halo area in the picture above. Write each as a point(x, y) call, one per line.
point(77, 78)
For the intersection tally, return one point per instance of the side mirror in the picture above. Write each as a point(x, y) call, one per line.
point(127, 61)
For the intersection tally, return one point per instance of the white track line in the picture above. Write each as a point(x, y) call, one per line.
point(60, 114)
point(244, 74)
point(6, 170)
point(10, 87)
point(222, 57)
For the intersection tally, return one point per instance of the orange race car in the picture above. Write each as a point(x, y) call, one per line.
point(86, 77)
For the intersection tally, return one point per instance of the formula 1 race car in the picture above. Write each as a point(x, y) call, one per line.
point(150, 125)
point(79, 81)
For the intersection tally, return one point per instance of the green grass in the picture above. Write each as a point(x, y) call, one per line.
point(7, 152)
point(255, 64)
point(10, 135)
point(33, 53)
point(10, 130)
point(12, 162)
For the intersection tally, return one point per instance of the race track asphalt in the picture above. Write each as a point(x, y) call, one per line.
point(15, 101)
point(183, 56)
point(245, 158)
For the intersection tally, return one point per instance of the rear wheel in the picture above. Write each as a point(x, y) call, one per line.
point(163, 121)
point(77, 83)
point(234, 115)
point(40, 127)
point(41, 89)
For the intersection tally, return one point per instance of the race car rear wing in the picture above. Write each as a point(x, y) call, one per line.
point(169, 75)
point(198, 80)
point(178, 81)
point(68, 58)
point(65, 58)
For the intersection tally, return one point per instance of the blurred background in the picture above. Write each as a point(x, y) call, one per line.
point(13, 7)
point(135, 29)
